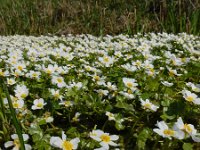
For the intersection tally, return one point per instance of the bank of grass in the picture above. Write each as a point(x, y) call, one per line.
point(98, 17)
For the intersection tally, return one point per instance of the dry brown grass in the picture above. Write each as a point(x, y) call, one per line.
point(98, 17)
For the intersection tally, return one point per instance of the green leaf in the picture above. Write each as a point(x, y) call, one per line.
point(125, 106)
point(142, 138)
point(176, 108)
point(165, 117)
point(118, 125)
point(187, 146)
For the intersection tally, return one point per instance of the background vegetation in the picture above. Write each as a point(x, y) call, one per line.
point(98, 17)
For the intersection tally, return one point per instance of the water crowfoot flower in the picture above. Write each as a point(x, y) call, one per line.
point(130, 83)
point(59, 81)
point(148, 105)
point(195, 88)
point(21, 91)
point(164, 131)
point(38, 104)
point(11, 81)
point(110, 115)
point(187, 129)
point(105, 139)
point(191, 97)
point(63, 144)
point(106, 60)
point(16, 143)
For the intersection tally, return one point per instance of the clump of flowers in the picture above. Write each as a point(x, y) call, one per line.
point(123, 85)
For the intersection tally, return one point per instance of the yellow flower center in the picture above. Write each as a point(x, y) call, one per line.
point(190, 98)
point(56, 95)
point(105, 138)
point(15, 105)
point(20, 68)
point(10, 82)
point(106, 59)
point(169, 132)
point(23, 95)
point(97, 78)
point(16, 143)
point(67, 103)
point(183, 59)
point(1, 73)
point(147, 105)
point(187, 128)
point(67, 145)
point(34, 74)
point(88, 68)
point(138, 64)
point(129, 92)
point(173, 62)
point(171, 73)
point(110, 115)
point(59, 80)
point(39, 105)
point(48, 71)
point(129, 84)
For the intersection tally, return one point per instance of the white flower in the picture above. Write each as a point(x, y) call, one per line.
point(59, 81)
point(164, 131)
point(129, 67)
point(137, 63)
point(147, 65)
point(56, 94)
point(195, 88)
point(187, 129)
point(103, 92)
point(38, 104)
point(4, 73)
point(130, 83)
point(33, 74)
point(66, 103)
point(20, 67)
point(21, 91)
point(168, 84)
point(49, 70)
point(128, 94)
point(191, 97)
point(11, 81)
point(106, 60)
point(76, 117)
point(18, 104)
point(99, 80)
point(48, 118)
point(16, 143)
point(148, 105)
point(111, 86)
point(105, 139)
point(173, 72)
point(78, 85)
point(175, 61)
point(110, 115)
point(63, 143)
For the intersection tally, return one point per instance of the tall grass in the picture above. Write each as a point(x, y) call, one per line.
point(98, 17)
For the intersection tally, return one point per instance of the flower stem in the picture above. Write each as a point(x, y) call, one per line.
point(13, 114)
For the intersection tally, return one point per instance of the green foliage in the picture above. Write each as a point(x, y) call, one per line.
point(41, 139)
point(187, 146)
point(142, 138)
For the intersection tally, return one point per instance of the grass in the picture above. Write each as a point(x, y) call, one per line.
point(100, 17)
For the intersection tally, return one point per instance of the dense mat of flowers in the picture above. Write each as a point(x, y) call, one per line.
point(112, 92)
